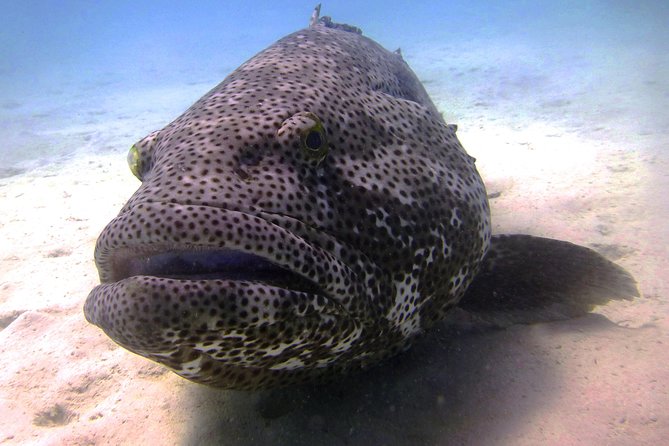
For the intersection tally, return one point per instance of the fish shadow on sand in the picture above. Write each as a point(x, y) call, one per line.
point(479, 374)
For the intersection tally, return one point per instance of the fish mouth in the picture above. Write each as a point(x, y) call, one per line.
point(203, 243)
point(223, 289)
point(201, 263)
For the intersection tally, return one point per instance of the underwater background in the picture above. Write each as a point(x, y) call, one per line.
point(83, 77)
point(564, 104)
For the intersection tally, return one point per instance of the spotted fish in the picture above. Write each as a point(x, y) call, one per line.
point(308, 216)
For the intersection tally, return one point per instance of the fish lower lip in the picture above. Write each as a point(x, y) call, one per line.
point(210, 264)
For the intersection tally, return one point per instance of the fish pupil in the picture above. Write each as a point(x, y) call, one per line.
point(314, 140)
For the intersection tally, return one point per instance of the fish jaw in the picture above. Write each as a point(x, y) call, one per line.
point(230, 334)
point(264, 299)
point(150, 229)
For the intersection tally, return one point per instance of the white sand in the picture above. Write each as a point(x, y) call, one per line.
point(586, 381)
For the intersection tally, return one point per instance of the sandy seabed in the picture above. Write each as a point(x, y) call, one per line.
point(598, 379)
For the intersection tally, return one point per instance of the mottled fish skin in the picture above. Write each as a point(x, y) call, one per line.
point(309, 215)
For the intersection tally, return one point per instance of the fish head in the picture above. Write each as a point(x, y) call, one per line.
point(309, 215)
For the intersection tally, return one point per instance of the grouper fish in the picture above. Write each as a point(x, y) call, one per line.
point(307, 217)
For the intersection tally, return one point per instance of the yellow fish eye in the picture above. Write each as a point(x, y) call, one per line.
point(134, 161)
point(314, 142)
point(311, 133)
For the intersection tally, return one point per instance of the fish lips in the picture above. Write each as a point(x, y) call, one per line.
point(157, 253)
point(149, 315)
point(202, 264)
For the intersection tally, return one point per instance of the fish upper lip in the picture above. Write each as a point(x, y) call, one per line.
point(201, 263)
point(159, 250)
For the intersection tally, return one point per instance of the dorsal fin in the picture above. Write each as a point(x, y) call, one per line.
point(314, 16)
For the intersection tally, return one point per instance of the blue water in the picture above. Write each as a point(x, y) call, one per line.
point(93, 77)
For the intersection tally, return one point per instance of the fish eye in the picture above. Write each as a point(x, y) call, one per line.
point(134, 162)
point(141, 154)
point(311, 133)
point(314, 142)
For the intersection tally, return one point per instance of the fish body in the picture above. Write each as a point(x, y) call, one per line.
point(310, 215)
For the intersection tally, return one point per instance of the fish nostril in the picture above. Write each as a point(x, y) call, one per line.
point(247, 157)
point(242, 174)
point(250, 157)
